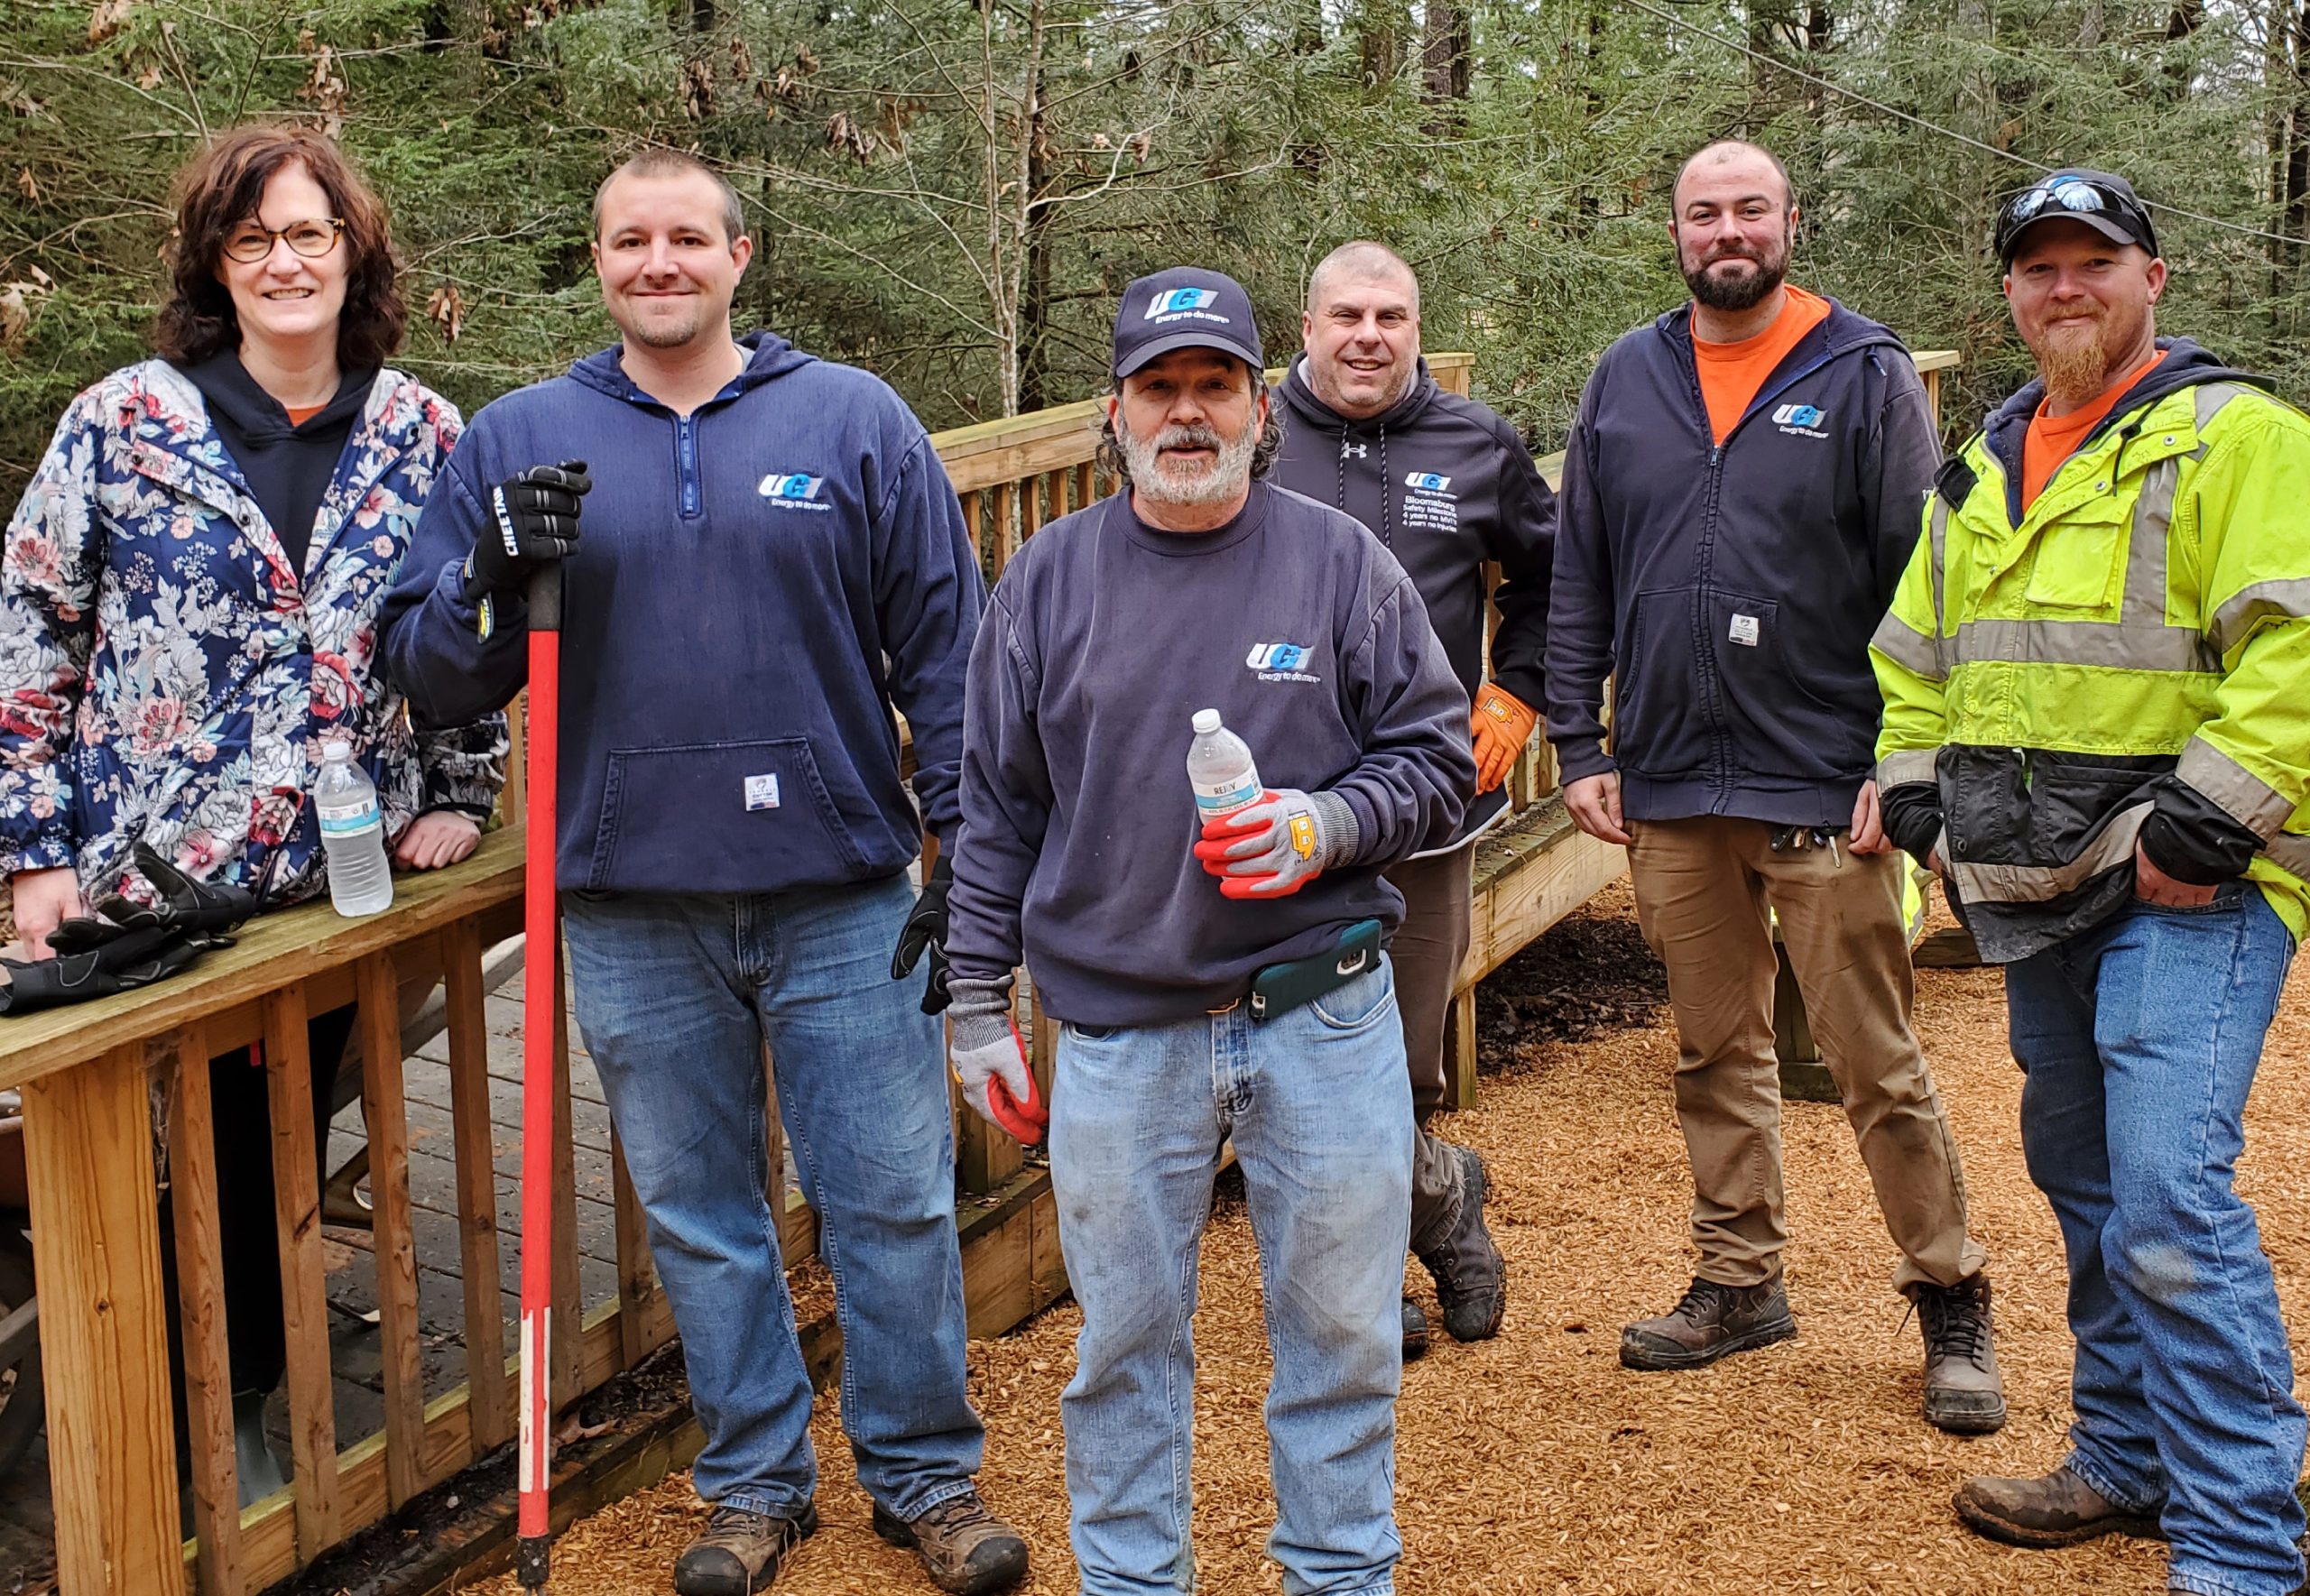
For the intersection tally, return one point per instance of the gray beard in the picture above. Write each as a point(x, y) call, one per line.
point(1222, 479)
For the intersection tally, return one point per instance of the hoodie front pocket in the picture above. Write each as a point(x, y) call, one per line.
point(681, 818)
point(1657, 723)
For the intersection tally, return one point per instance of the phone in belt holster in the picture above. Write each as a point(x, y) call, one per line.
point(1278, 988)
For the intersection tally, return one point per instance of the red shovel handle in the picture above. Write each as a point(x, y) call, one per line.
point(540, 999)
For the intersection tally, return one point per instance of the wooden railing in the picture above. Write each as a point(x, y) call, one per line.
point(98, 1079)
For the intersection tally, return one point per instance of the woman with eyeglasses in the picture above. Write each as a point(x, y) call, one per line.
point(188, 594)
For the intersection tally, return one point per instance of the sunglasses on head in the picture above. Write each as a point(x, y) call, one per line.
point(2070, 194)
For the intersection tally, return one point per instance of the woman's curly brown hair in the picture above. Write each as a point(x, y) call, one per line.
point(220, 189)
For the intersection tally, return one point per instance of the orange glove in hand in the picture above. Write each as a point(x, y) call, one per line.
point(1502, 725)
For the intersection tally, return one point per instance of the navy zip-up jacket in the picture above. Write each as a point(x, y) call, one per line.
point(741, 576)
point(1445, 484)
point(1731, 591)
point(1104, 638)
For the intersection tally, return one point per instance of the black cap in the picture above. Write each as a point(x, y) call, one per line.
point(2103, 200)
point(1184, 308)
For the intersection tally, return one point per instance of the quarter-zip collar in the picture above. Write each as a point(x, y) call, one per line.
point(768, 357)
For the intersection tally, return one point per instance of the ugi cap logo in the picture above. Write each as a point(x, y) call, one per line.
point(1427, 482)
point(1177, 301)
point(1798, 415)
point(790, 486)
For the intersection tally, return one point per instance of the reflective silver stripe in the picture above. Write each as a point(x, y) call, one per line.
point(2153, 515)
point(1907, 765)
point(2252, 802)
point(2288, 597)
point(2041, 883)
point(2209, 398)
point(2290, 851)
point(2118, 644)
point(1938, 536)
point(1909, 648)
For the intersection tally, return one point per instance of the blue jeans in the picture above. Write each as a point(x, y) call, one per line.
point(2139, 1040)
point(1320, 1105)
point(676, 996)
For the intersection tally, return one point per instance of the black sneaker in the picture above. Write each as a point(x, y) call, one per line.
point(1471, 1277)
point(740, 1552)
point(964, 1547)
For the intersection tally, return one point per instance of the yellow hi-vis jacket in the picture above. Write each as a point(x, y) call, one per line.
point(2130, 661)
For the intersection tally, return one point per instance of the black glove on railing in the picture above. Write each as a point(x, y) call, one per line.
point(127, 945)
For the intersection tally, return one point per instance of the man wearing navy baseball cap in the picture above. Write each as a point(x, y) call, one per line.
point(1213, 979)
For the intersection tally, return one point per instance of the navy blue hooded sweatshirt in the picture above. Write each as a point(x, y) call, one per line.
point(1445, 484)
point(1105, 636)
point(742, 576)
point(1731, 591)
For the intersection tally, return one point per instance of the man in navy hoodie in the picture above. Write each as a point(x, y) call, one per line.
point(1446, 485)
point(770, 556)
point(1217, 981)
point(1741, 490)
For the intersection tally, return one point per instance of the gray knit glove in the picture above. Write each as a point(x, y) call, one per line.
point(990, 1060)
point(1279, 844)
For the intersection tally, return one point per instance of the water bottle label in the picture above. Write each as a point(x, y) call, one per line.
point(1216, 800)
point(346, 819)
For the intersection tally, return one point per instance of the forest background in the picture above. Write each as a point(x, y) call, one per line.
point(952, 192)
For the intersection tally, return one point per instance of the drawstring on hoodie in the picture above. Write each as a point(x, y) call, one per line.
point(1387, 499)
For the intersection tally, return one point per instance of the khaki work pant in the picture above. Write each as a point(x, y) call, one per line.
point(1703, 888)
point(1439, 900)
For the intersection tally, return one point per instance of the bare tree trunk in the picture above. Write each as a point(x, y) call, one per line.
point(1446, 52)
point(1381, 28)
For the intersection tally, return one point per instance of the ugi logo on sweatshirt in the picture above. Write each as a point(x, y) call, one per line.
point(1801, 420)
point(1280, 662)
point(793, 490)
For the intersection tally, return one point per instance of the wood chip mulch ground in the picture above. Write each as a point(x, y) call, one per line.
point(1535, 1463)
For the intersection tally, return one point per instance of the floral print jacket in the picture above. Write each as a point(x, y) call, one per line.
point(165, 675)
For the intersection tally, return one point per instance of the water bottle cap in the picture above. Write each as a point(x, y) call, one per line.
point(1207, 720)
point(338, 748)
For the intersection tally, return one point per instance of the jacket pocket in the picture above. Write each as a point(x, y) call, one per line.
point(2076, 562)
point(1781, 718)
point(1658, 726)
point(678, 818)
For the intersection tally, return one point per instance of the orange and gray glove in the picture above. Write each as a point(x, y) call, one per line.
point(1279, 844)
point(991, 1059)
point(1502, 725)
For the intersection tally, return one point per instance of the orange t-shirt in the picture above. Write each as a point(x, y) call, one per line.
point(1731, 374)
point(2051, 440)
point(299, 414)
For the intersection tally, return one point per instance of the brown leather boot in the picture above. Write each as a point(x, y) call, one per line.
point(964, 1547)
point(1712, 1322)
point(740, 1552)
point(2056, 1509)
point(1963, 1394)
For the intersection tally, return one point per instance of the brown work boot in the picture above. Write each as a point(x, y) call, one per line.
point(1471, 1277)
point(2056, 1509)
point(740, 1552)
point(1712, 1322)
point(1962, 1392)
point(964, 1548)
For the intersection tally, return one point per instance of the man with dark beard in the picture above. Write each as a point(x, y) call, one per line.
point(1257, 1006)
point(2097, 727)
point(1739, 497)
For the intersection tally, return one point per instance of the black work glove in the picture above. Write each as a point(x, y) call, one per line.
point(127, 944)
point(926, 928)
point(532, 519)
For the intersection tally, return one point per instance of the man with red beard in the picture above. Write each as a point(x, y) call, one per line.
point(1739, 497)
point(2096, 674)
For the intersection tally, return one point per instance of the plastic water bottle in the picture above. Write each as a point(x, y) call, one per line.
point(353, 835)
point(1220, 769)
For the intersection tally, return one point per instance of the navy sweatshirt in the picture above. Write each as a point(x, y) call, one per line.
point(743, 574)
point(1445, 484)
point(1729, 591)
point(1102, 639)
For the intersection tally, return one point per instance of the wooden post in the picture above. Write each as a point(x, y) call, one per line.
point(304, 1297)
point(1460, 1050)
point(636, 1277)
point(395, 1251)
point(491, 1402)
point(201, 1308)
point(103, 1332)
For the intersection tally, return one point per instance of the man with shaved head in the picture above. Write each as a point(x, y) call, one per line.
point(1446, 485)
point(1740, 495)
